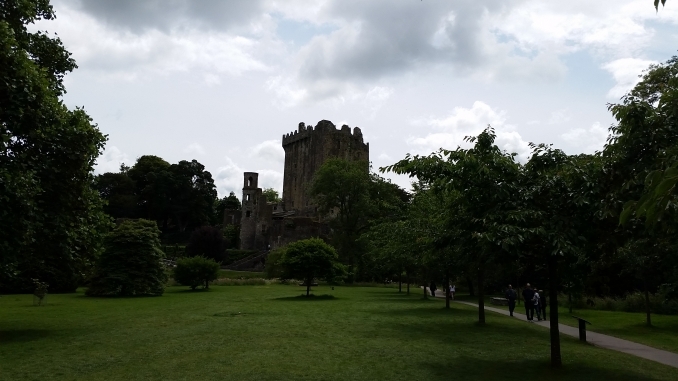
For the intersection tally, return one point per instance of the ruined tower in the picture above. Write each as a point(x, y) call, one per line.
point(250, 211)
point(305, 152)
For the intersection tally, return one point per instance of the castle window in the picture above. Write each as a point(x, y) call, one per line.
point(247, 197)
point(248, 213)
point(249, 182)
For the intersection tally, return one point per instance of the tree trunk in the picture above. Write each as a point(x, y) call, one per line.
point(308, 286)
point(569, 299)
point(470, 286)
point(556, 360)
point(481, 296)
point(425, 293)
point(648, 320)
point(400, 282)
point(447, 290)
point(407, 275)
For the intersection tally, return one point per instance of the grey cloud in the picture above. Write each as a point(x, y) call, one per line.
point(138, 16)
point(383, 37)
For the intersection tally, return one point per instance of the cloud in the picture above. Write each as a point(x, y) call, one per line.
point(131, 54)
point(559, 117)
point(111, 160)
point(586, 140)
point(194, 148)
point(270, 150)
point(464, 122)
point(626, 72)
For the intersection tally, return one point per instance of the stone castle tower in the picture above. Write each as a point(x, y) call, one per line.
point(305, 152)
point(269, 225)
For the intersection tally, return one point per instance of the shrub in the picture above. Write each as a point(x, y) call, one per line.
point(273, 268)
point(309, 259)
point(196, 271)
point(208, 242)
point(131, 263)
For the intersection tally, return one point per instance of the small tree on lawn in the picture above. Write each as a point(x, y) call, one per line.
point(196, 271)
point(311, 259)
point(131, 263)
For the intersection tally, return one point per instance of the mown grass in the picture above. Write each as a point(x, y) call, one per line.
point(270, 333)
point(663, 333)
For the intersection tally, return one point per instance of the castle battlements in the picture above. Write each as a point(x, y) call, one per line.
point(323, 127)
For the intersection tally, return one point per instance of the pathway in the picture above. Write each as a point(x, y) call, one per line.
point(597, 339)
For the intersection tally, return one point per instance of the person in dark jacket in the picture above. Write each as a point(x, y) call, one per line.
point(528, 297)
point(542, 304)
point(433, 288)
point(511, 296)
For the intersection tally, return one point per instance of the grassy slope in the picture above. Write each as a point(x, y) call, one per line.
point(266, 333)
point(626, 325)
point(232, 274)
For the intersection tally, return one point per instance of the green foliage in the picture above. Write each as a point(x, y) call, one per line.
point(131, 264)
point(208, 242)
point(271, 195)
point(311, 259)
point(51, 221)
point(273, 268)
point(196, 271)
point(232, 236)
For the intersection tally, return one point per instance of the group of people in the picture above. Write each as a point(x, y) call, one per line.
point(534, 300)
point(450, 289)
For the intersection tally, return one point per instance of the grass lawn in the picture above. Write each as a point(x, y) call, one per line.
point(269, 333)
point(625, 325)
point(232, 274)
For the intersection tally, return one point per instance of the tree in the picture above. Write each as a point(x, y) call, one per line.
point(656, 4)
point(340, 189)
point(486, 178)
point(271, 195)
point(131, 264)
point(229, 202)
point(311, 259)
point(208, 242)
point(118, 190)
point(196, 271)
point(51, 220)
point(193, 194)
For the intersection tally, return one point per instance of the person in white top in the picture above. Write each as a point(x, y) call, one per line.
point(536, 304)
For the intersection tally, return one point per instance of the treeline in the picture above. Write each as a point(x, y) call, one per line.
point(179, 197)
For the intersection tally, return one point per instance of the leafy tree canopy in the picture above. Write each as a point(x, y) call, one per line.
point(311, 259)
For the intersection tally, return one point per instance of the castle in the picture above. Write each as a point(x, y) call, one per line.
point(266, 225)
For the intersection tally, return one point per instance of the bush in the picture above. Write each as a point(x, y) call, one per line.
point(196, 271)
point(311, 259)
point(273, 268)
point(208, 242)
point(131, 263)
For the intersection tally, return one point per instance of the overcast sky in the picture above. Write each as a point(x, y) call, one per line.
point(222, 81)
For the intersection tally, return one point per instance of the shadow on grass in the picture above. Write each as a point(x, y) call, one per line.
point(22, 335)
point(304, 298)
point(501, 369)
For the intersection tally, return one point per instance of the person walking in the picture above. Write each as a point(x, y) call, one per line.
point(511, 296)
point(432, 288)
point(536, 302)
point(528, 296)
point(453, 289)
point(542, 303)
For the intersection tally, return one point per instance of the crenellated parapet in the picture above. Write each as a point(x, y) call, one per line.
point(323, 127)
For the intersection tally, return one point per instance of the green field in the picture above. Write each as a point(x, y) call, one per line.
point(625, 325)
point(269, 333)
point(232, 274)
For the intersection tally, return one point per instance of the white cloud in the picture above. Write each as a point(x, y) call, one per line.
point(560, 117)
point(111, 159)
point(229, 178)
point(586, 140)
point(625, 72)
point(472, 121)
point(270, 150)
point(194, 148)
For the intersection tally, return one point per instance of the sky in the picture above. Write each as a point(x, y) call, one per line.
point(221, 81)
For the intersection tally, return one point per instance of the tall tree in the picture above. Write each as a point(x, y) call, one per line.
point(487, 177)
point(50, 217)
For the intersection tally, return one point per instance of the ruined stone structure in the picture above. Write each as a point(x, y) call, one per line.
point(265, 225)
